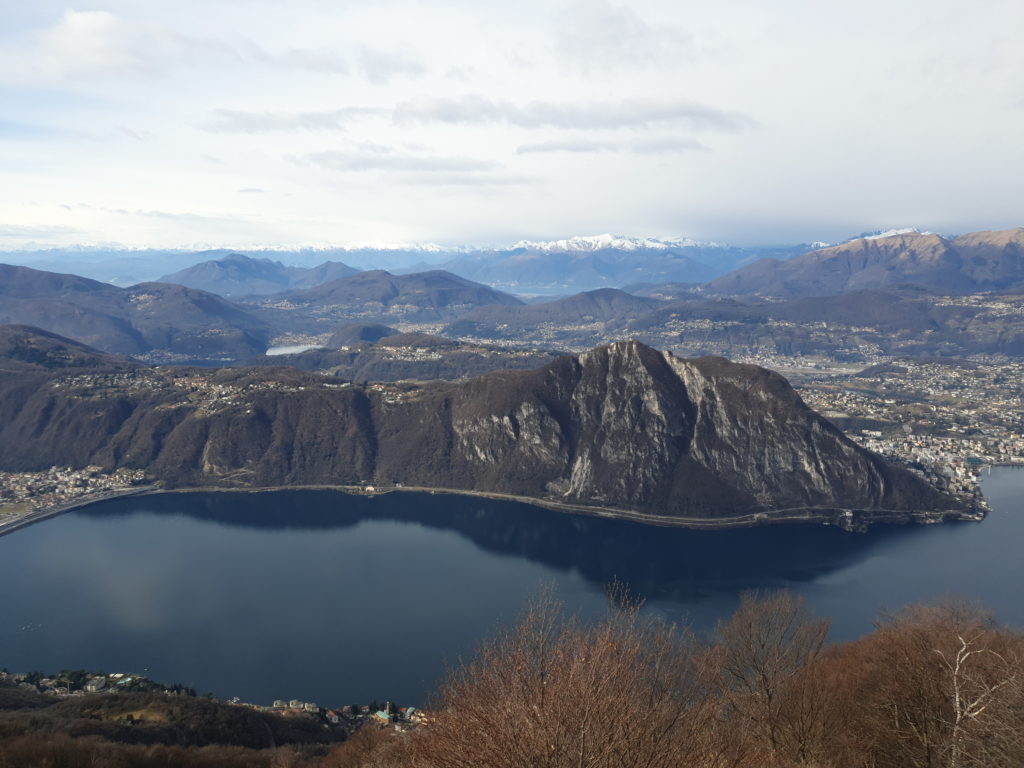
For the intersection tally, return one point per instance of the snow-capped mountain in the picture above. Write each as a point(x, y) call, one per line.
point(607, 242)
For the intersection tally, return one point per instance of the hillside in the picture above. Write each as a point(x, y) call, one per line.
point(376, 353)
point(623, 427)
point(156, 318)
point(23, 347)
point(377, 295)
point(237, 275)
point(972, 263)
point(561, 318)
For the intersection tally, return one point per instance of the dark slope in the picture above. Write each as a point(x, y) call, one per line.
point(601, 306)
point(980, 261)
point(376, 293)
point(140, 319)
point(397, 356)
point(354, 333)
point(904, 323)
point(24, 348)
point(239, 275)
point(623, 427)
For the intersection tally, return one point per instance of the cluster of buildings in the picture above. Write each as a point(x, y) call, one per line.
point(23, 492)
point(944, 419)
point(82, 683)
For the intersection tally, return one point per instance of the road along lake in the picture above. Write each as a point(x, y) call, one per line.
point(336, 598)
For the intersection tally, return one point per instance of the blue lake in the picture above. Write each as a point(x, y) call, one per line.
point(332, 598)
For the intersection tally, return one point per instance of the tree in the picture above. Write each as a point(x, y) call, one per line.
point(554, 693)
point(766, 653)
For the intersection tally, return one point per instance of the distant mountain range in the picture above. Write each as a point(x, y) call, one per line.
point(544, 267)
point(972, 263)
point(622, 428)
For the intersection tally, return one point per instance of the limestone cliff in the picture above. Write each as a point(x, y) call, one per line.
point(623, 427)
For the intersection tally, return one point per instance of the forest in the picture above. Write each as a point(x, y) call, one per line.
point(932, 685)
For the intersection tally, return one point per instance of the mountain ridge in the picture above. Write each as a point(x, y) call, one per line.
point(622, 429)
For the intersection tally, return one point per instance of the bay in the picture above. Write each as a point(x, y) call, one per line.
point(334, 598)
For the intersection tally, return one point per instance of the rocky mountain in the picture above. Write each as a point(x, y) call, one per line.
point(237, 275)
point(622, 428)
point(149, 318)
point(972, 263)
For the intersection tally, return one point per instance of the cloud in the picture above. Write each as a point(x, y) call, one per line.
point(393, 161)
point(666, 146)
point(641, 147)
point(8, 231)
point(482, 180)
point(596, 35)
point(379, 67)
point(569, 145)
point(84, 44)
point(626, 113)
point(234, 121)
point(326, 61)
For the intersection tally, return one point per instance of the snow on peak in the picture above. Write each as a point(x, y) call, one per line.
point(607, 241)
point(891, 233)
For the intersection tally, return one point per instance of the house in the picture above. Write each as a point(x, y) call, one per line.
point(95, 684)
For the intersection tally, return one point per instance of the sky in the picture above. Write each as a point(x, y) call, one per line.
point(245, 123)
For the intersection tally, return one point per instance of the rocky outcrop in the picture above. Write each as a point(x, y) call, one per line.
point(624, 428)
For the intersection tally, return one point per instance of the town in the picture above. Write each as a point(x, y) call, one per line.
point(349, 718)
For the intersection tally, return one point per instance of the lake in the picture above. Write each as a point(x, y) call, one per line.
point(326, 597)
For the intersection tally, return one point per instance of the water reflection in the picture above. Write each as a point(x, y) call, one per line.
point(655, 562)
point(330, 597)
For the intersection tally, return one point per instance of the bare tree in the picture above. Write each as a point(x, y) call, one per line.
point(765, 651)
point(555, 693)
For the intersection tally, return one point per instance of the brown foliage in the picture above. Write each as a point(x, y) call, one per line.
point(553, 693)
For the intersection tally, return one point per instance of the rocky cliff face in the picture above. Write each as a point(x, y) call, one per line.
point(623, 427)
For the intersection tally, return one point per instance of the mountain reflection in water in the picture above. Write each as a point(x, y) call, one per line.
point(324, 596)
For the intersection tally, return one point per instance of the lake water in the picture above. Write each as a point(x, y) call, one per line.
point(337, 599)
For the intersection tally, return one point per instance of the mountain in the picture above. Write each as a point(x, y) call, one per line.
point(379, 295)
point(149, 318)
point(239, 275)
point(972, 263)
point(23, 347)
point(622, 429)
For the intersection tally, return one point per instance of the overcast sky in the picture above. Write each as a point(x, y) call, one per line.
point(260, 122)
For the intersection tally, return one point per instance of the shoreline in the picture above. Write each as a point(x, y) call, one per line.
point(45, 513)
point(851, 520)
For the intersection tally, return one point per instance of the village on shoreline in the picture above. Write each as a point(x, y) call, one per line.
point(348, 718)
